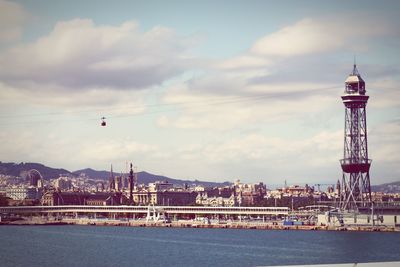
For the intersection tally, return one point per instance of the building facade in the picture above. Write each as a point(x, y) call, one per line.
point(21, 193)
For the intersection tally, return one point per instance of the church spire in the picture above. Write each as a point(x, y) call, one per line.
point(112, 180)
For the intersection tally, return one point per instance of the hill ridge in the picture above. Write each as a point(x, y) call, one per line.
point(18, 169)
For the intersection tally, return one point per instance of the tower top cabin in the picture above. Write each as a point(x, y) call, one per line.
point(354, 84)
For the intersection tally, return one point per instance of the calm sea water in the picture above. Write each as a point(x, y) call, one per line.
point(126, 246)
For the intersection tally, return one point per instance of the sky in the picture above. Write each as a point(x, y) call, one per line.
point(207, 90)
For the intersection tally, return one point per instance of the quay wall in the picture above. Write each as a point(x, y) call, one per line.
point(195, 224)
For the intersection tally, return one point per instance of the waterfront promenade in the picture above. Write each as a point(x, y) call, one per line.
point(268, 225)
point(153, 212)
point(149, 218)
point(263, 218)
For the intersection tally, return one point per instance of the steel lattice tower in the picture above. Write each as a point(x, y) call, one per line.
point(356, 187)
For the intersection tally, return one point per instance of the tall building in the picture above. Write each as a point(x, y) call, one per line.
point(35, 178)
point(21, 193)
point(355, 190)
point(62, 183)
point(111, 180)
point(131, 184)
point(118, 183)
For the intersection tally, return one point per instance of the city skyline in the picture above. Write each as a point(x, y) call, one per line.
point(213, 91)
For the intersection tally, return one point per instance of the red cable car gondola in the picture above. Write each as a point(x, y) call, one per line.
point(103, 121)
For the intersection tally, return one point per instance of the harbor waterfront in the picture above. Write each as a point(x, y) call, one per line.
point(73, 245)
point(263, 218)
point(180, 133)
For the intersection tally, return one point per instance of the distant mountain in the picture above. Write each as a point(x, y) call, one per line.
point(103, 175)
point(387, 188)
point(145, 178)
point(18, 169)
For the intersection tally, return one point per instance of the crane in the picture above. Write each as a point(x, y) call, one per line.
point(318, 186)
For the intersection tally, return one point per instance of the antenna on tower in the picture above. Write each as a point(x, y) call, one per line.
point(355, 70)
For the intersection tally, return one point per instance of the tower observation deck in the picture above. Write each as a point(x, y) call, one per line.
point(356, 187)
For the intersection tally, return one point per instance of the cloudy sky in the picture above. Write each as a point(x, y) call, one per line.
point(210, 90)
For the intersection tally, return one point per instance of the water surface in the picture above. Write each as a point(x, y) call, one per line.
point(128, 246)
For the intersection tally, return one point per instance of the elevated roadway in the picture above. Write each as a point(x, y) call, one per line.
point(183, 210)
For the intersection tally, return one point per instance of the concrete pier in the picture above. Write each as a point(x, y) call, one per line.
point(193, 224)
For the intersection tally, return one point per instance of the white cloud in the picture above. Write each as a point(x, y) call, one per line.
point(384, 141)
point(79, 54)
point(316, 35)
point(252, 116)
point(314, 158)
point(95, 152)
point(12, 19)
point(277, 151)
point(279, 78)
point(91, 103)
point(304, 37)
point(260, 157)
point(262, 105)
point(243, 62)
point(110, 150)
point(384, 92)
point(297, 82)
point(162, 121)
